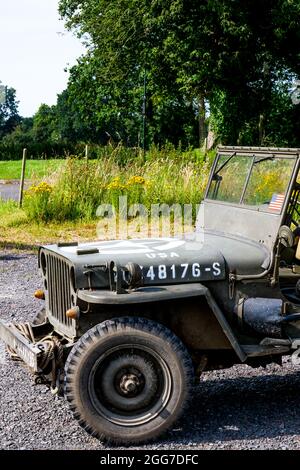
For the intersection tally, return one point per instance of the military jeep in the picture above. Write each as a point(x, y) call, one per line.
point(128, 326)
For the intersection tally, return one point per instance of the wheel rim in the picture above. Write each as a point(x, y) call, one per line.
point(130, 385)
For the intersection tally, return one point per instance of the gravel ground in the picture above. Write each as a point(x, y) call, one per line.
point(238, 408)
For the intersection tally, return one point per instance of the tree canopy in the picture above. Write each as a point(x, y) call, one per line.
point(234, 51)
point(9, 117)
point(183, 67)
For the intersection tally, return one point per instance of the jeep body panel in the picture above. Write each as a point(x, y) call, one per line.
point(200, 257)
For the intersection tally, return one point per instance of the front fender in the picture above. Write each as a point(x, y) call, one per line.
point(142, 294)
point(151, 294)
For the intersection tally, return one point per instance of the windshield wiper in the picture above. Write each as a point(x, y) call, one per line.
point(264, 159)
point(222, 166)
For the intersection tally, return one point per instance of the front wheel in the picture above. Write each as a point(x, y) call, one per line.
point(127, 380)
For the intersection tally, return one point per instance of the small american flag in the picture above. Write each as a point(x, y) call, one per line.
point(276, 202)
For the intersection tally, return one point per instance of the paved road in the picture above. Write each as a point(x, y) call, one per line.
point(10, 190)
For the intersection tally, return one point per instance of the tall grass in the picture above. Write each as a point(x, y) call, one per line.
point(77, 187)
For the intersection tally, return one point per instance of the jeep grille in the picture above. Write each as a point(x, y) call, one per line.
point(58, 300)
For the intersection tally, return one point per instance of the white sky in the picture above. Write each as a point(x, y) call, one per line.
point(33, 52)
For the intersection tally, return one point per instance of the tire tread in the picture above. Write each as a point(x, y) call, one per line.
point(110, 327)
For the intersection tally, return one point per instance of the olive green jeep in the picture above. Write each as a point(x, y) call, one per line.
point(128, 325)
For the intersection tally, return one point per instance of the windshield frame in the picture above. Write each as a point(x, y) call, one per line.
point(257, 155)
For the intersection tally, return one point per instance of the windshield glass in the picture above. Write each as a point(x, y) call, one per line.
point(251, 180)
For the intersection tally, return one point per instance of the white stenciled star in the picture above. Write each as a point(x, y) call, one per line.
point(139, 246)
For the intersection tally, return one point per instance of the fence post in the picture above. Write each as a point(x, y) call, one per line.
point(22, 177)
point(86, 152)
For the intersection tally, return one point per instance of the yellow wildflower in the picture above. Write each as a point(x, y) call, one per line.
point(136, 180)
point(41, 188)
point(116, 184)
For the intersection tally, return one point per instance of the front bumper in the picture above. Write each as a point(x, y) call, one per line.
point(26, 350)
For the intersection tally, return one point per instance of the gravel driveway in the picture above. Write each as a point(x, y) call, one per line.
point(238, 408)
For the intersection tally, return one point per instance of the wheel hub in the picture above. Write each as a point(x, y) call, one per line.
point(129, 383)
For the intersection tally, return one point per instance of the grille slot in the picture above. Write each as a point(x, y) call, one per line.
point(59, 294)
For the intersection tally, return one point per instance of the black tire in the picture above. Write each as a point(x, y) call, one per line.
point(127, 380)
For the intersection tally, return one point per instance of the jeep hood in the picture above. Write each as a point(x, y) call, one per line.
point(197, 258)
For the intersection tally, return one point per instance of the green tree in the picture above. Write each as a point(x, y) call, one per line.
point(92, 109)
point(233, 49)
point(119, 71)
point(9, 116)
point(45, 124)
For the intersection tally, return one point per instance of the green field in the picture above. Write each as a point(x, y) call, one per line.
point(34, 168)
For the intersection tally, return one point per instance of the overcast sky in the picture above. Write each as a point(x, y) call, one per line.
point(34, 50)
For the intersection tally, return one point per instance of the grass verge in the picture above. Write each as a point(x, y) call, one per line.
point(18, 233)
point(35, 169)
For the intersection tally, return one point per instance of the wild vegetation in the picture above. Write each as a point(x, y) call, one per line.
point(78, 187)
point(63, 200)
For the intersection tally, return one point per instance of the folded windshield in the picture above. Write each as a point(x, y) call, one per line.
point(251, 180)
